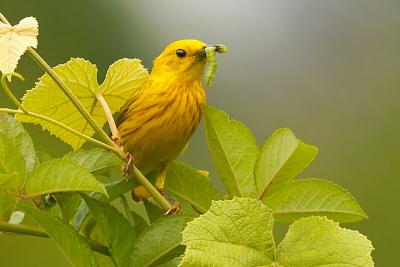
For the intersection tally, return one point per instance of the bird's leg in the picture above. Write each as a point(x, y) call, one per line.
point(160, 182)
point(117, 139)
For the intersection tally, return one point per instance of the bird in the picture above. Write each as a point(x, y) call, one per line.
point(158, 120)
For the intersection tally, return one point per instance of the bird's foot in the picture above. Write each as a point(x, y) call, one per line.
point(175, 209)
point(175, 205)
point(117, 140)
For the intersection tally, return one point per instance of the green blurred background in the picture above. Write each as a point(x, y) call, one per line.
point(329, 70)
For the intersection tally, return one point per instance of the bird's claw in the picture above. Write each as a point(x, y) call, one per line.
point(129, 164)
point(175, 206)
point(174, 209)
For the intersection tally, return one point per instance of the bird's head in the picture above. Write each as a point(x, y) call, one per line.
point(184, 58)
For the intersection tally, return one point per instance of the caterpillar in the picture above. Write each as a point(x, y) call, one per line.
point(212, 61)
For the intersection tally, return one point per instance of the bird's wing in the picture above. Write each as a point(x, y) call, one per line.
point(124, 110)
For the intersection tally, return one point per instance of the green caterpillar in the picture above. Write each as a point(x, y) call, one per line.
point(212, 61)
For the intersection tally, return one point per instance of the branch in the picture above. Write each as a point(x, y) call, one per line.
point(33, 231)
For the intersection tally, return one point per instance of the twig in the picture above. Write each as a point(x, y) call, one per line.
point(111, 123)
point(33, 231)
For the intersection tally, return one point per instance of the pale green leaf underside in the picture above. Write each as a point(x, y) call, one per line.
point(306, 197)
point(123, 78)
point(234, 151)
point(234, 232)
point(317, 241)
point(94, 159)
point(14, 40)
point(71, 244)
point(118, 232)
point(282, 157)
point(238, 232)
point(188, 184)
point(61, 175)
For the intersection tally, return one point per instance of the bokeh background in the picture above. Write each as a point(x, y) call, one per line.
point(329, 70)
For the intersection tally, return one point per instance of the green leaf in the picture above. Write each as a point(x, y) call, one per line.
point(61, 175)
point(317, 241)
point(114, 190)
point(235, 232)
point(118, 232)
point(153, 211)
point(17, 153)
point(94, 159)
point(282, 157)
point(306, 197)
point(188, 184)
point(72, 245)
point(166, 232)
point(123, 78)
point(238, 232)
point(234, 151)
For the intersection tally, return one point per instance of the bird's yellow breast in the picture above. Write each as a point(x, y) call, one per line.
point(159, 120)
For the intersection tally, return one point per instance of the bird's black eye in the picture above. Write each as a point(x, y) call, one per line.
point(180, 53)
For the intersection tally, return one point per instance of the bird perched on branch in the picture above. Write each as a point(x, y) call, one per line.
point(157, 121)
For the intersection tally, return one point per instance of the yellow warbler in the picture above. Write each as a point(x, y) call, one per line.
point(158, 120)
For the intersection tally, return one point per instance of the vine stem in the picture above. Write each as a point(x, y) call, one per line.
point(63, 126)
point(8, 91)
point(33, 231)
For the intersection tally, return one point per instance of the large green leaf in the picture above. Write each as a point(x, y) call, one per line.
point(72, 245)
point(123, 78)
point(17, 153)
point(159, 242)
point(188, 184)
point(317, 241)
point(305, 197)
point(234, 151)
point(118, 232)
point(282, 157)
point(234, 232)
point(238, 232)
point(94, 159)
point(61, 175)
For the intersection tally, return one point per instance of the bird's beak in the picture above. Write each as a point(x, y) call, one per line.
point(202, 52)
